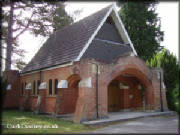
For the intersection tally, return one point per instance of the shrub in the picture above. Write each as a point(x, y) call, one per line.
point(169, 63)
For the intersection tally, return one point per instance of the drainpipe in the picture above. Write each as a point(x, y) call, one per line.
point(161, 102)
point(40, 78)
point(40, 75)
point(97, 90)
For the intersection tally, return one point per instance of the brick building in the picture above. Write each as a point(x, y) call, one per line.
point(89, 68)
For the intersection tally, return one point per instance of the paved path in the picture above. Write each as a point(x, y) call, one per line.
point(123, 116)
point(158, 124)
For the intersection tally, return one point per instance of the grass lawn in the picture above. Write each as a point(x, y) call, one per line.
point(21, 119)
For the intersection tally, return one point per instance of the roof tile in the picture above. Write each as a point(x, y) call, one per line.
point(65, 44)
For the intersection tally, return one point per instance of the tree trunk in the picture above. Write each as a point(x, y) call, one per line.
point(0, 59)
point(10, 37)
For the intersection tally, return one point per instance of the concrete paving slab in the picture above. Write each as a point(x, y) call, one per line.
point(123, 116)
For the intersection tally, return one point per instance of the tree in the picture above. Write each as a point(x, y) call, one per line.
point(10, 36)
point(39, 18)
point(20, 64)
point(169, 63)
point(143, 26)
point(175, 95)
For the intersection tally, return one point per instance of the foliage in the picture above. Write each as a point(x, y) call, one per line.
point(143, 26)
point(60, 18)
point(38, 18)
point(15, 117)
point(168, 62)
point(20, 64)
point(175, 94)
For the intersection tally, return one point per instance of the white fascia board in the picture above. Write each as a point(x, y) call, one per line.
point(59, 66)
point(22, 74)
point(124, 30)
point(93, 35)
point(50, 68)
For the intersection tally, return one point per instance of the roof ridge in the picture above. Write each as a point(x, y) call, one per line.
point(105, 8)
point(108, 7)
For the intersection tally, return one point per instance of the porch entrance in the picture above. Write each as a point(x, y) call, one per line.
point(126, 93)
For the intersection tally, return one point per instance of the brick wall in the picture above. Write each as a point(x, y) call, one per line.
point(156, 85)
point(68, 101)
point(82, 100)
point(12, 96)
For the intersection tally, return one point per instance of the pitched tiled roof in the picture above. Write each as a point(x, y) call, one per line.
point(106, 51)
point(66, 44)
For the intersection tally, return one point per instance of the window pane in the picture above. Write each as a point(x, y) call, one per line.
point(22, 89)
point(50, 87)
point(34, 88)
point(38, 84)
point(55, 86)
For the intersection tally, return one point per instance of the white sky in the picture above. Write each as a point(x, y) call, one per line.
point(168, 11)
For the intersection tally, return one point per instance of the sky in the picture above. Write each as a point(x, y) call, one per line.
point(167, 11)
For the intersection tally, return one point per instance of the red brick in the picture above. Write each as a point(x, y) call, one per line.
point(82, 101)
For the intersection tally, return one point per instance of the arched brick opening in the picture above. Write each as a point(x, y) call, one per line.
point(125, 92)
point(70, 95)
point(73, 81)
point(129, 89)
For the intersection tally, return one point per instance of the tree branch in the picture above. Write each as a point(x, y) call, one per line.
point(24, 28)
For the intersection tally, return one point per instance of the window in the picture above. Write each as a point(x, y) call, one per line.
point(22, 88)
point(55, 86)
point(50, 87)
point(38, 84)
point(34, 88)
